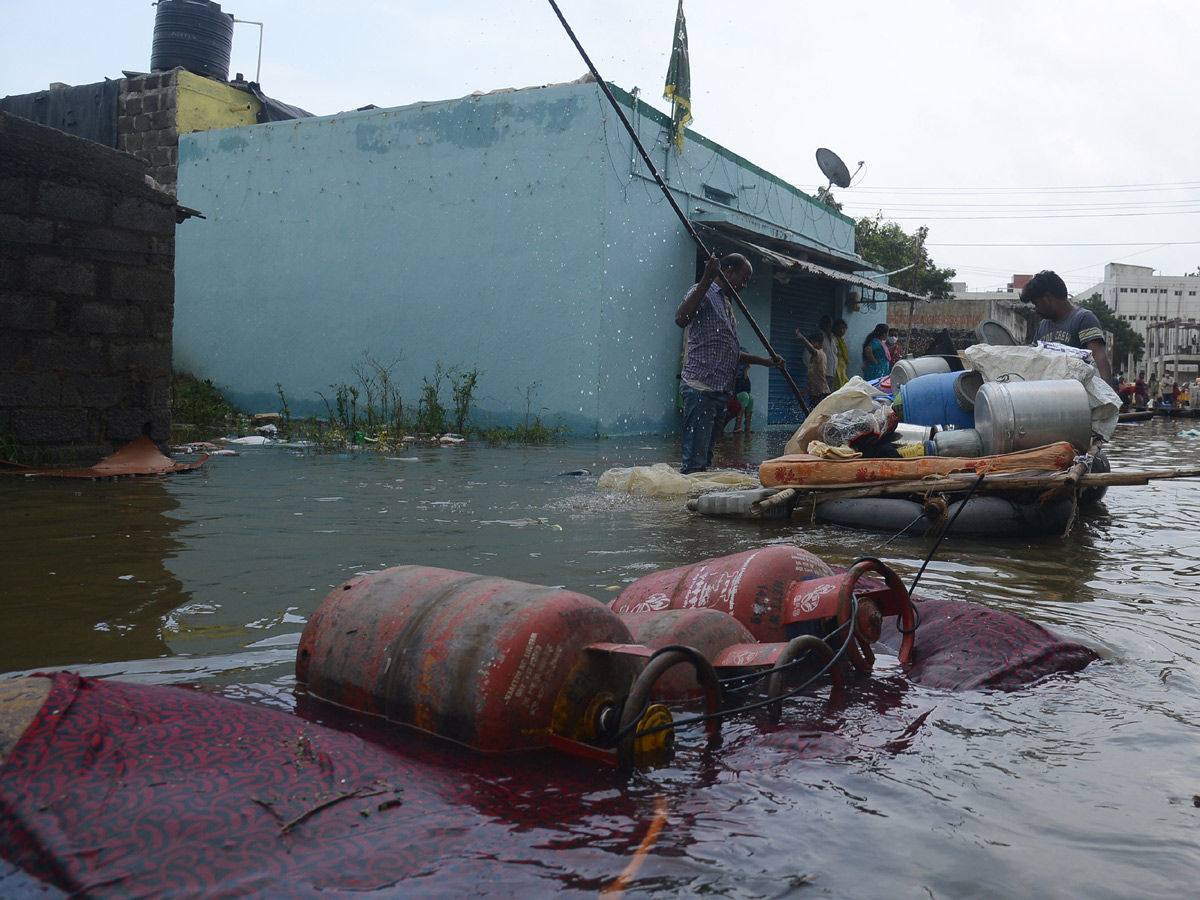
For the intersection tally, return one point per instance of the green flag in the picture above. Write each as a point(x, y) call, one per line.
point(679, 81)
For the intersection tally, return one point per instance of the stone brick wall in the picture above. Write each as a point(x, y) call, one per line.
point(146, 123)
point(959, 317)
point(87, 289)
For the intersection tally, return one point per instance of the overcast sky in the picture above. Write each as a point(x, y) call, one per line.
point(1025, 135)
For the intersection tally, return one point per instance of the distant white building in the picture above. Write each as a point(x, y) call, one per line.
point(1158, 307)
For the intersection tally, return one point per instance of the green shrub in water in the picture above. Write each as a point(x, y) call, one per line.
point(198, 408)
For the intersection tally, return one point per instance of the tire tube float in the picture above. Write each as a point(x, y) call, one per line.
point(1093, 495)
point(982, 517)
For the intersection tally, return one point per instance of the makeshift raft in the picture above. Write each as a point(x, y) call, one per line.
point(1028, 492)
point(895, 495)
point(1010, 447)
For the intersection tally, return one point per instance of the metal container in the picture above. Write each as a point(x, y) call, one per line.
point(707, 630)
point(1021, 415)
point(962, 443)
point(913, 434)
point(750, 586)
point(908, 369)
point(490, 663)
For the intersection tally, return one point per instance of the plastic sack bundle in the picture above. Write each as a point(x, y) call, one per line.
point(855, 394)
point(843, 428)
point(664, 481)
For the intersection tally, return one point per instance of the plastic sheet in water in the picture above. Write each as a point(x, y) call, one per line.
point(664, 481)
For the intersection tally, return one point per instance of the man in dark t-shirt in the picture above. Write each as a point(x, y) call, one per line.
point(1064, 322)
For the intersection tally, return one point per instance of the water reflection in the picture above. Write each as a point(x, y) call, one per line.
point(1079, 785)
point(85, 573)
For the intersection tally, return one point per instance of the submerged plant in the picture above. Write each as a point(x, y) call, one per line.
point(369, 410)
point(463, 382)
point(198, 405)
point(284, 409)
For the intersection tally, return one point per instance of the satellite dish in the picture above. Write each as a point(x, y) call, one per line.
point(833, 167)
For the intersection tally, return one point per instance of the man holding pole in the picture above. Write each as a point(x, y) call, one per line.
point(713, 355)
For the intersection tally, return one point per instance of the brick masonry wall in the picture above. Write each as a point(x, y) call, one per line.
point(959, 317)
point(87, 290)
point(146, 124)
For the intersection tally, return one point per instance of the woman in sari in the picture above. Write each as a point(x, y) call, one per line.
point(875, 361)
point(842, 353)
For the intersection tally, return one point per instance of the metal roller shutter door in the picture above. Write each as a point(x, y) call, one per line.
point(799, 303)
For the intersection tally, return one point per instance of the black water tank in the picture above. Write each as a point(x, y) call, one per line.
point(194, 34)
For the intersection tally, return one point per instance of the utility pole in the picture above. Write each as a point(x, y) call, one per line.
point(912, 304)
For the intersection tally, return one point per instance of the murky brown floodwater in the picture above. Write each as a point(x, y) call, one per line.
point(1079, 786)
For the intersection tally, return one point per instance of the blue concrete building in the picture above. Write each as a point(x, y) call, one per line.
point(517, 232)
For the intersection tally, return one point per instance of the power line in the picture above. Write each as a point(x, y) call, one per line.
point(1060, 189)
point(985, 207)
point(1097, 244)
point(1099, 215)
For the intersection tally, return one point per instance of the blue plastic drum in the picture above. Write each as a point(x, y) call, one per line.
point(931, 400)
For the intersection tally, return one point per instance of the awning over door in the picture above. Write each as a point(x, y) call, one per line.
point(882, 293)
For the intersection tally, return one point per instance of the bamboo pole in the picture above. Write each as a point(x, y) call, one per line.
point(950, 484)
point(758, 507)
point(787, 376)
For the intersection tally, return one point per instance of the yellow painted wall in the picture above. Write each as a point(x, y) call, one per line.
point(206, 105)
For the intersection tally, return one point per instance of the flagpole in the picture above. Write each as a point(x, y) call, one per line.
point(675, 206)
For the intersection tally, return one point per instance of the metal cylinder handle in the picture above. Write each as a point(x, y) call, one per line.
point(896, 586)
point(796, 648)
point(666, 658)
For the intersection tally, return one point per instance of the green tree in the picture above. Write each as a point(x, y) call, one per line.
point(1126, 341)
point(825, 195)
point(888, 246)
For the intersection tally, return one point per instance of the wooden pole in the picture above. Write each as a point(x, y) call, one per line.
point(950, 484)
point(674, 205)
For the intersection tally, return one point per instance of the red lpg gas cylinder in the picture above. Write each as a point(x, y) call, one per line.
point(491, 663)
point(750, 586)
point(706, 630)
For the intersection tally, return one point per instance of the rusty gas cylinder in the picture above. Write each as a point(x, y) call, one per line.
point(707, 630)
point(487, 662)
point(750, 586)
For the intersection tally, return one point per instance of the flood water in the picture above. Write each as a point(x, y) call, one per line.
point(1081, 785)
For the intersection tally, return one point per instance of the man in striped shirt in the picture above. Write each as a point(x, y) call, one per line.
point(1065, 323)
point(713, 355)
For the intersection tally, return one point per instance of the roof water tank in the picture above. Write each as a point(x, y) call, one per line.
point(193, 34)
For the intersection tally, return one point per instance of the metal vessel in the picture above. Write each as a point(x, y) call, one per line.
point(964, 443)
point(1021, 415)
point(908, 369)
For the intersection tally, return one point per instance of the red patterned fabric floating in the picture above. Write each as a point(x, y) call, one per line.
point(965, 646)
point(120, 790)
